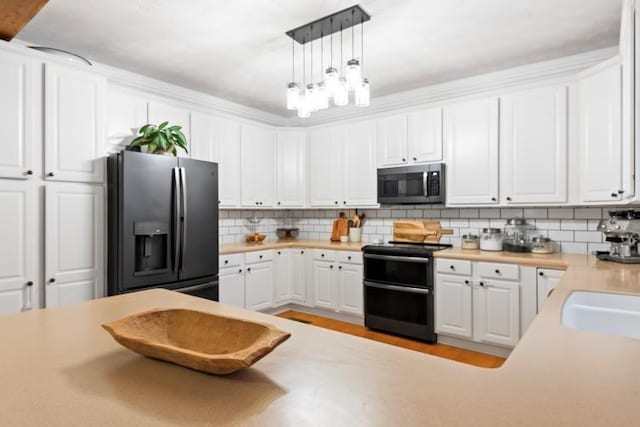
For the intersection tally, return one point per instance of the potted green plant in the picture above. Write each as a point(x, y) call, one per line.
point(161, 139)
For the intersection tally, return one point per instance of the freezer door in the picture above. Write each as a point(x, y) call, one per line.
point(199, 234)
point(147, 226)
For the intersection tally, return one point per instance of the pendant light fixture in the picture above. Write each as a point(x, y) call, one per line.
point(311, 97)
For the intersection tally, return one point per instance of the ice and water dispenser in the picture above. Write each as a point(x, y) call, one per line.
point(152, 247)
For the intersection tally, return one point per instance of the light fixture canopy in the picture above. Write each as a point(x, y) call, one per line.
point(308, 98)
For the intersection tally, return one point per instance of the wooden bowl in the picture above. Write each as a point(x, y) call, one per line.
point(255, 237)
point(202, 341)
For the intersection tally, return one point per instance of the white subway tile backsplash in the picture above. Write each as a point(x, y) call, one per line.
point(573, 224)
point(469, 213)
point(535, 213)
point(548, 224)
point(588, 236)
point(511, 213)
point(561, 236)
point(489, 213)
point(560, 213)
point(588, 213)
point(575, 248)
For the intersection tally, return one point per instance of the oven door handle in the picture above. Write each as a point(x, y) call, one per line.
point(397, 258)
point(197, 287)
point(425, 291)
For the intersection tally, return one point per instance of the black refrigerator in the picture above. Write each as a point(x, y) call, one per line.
point(163, 224)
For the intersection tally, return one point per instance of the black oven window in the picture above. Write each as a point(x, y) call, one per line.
point(396, 305)
point(397, 272)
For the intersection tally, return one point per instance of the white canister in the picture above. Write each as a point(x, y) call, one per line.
point(491, 239)
point(355, 234)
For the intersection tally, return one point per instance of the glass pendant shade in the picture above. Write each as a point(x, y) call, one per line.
point(303, 107)
point(312, 97)
point(363, 94)
point(293, 96)
point(354, 75)
point(331, 81)
point(341, 97)
point(322, 97)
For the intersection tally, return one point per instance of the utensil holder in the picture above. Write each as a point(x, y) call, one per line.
point(355, 235)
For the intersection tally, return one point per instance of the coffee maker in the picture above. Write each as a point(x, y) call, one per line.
point(622, 231)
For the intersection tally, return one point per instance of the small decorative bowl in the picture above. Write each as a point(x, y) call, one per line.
point(195, 339)
point(255, 237)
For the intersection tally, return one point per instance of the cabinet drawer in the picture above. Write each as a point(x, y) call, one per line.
point(349, 257)
point(322, 255)
point(453, 266)
point(258, 256)
point(230, 260)
point(492, 270)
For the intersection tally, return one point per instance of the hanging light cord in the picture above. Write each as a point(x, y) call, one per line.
point(341, 54)
point(293, 60)
point(353, 34)
point(362, 46)
point(304, 64)
point(331, 42)
point(311, 71)
point(321, 54)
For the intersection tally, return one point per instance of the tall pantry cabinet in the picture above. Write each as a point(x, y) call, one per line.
point(52, 232)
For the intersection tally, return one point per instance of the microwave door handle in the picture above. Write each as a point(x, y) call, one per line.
point(425, 180)
point(176, 230)
point(183, 181)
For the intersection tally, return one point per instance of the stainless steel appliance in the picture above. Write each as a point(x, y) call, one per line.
point(622, 231)
point(398, 289)
point(412, 184)
point(163, 224)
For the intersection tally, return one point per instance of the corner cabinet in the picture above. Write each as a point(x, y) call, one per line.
point(75, 126)
point(360, 177)
point(533, 145)
point(471, 152)
point(258, 172)
point(74, 243)
point(600, 97)
point(18, 111)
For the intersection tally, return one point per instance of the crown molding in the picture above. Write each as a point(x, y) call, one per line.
point(558, 69)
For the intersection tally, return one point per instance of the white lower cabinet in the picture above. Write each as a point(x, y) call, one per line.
point(231, 290)
point(74, 243)
point(283, 276)
point(323, 284)
point(350, 288)
point(18, 290)
point(472, 304)
point(546, 281)
point(259, 285)
point(299, 276)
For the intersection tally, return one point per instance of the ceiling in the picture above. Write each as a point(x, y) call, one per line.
point(237, 49)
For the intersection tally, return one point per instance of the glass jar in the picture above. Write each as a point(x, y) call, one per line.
point(470, 241)
point(541, 245)
point(491, 239)
point(517, 235)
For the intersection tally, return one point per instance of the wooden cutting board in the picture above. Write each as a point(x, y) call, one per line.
point(419, 231)
point(340, 228)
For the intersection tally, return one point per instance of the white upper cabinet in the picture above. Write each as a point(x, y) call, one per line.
point(75, 128)
point(360, 180)
point(533, 146)
point(74, 243)
point(126, 113)
point(160, 112)
point(217, 139)
point(17, 115)
point(18, 252)
point(424, 131)
point(290, 170)
point(471, 152)
point(258, 154)
point(392, 140)
point(600, 94)
point(325, 167)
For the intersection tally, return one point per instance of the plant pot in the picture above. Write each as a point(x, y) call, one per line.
point(170, 152)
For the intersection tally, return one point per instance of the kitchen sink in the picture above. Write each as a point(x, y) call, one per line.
point(609, 314)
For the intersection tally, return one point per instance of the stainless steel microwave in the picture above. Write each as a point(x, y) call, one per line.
point(412, 184)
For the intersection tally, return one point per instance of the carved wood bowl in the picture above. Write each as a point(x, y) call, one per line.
point(202, 341)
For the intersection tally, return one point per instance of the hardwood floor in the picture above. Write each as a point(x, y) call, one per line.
point(441, 350)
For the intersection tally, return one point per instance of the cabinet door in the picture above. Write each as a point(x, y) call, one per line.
point(601, 135)
point(533, 144)
point(471, 147)
point(216, 139)
point(74, 243)
point(74, 131)
point(18, 252)
point(259, 286)
point(290, 170)
point(325, 167)
point(283, 276)
point(497, 312)
point(17, 115)
point(392, 140)
point(232, 286)
point(126, 114)
point(160, 112)
point(258, 166)
point(360, 177)
point(299, 275)
point(425, 136)
point(323, 284)
point(453, 305)
point(547, 280)
point(350, 288)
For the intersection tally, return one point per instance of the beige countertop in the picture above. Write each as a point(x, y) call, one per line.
point(279, 244)
point(60, 368)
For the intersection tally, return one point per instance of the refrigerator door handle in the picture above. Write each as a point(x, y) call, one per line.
point(183, 222)
point(177, 214)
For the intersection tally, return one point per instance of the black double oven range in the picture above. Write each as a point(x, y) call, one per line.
point(399, 289)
